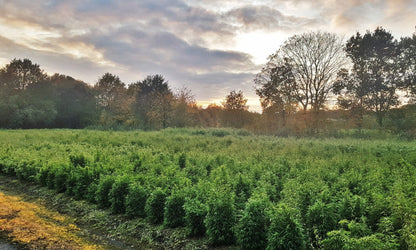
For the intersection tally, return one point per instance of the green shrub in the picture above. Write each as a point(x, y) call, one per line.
point(42, 175)
point(219, 133)
point(321, 218)
point(341, 239)
point(155, 205)
point(195, 213)
point(61, 176)
point(26, 171)
point(83, 178)
point(50, 179)
point(220, 222)
point(117, 195)
point(336, 240)
point(91, 192)
point(285, 232)
point(104, 187)
point(78, 160)
point(136, 201)
point(8, 167)
point(252, 227)
point(71, 183)
point(352, 207)
point(174, 211)
point(242, 191)
point(358, 229)
point(182, 161)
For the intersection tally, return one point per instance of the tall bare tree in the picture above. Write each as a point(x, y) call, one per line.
point(183, 107)
point(301, 72)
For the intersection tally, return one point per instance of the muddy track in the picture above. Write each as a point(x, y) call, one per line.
point(99, 226)
point(33, 194)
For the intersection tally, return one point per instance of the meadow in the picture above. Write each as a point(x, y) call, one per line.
point(232, 187)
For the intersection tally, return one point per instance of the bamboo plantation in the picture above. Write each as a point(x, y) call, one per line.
point(230, 186)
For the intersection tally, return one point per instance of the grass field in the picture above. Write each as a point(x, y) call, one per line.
point(230, 186)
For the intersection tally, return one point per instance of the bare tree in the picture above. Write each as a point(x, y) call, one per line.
point(302, 71)
point(183, 106)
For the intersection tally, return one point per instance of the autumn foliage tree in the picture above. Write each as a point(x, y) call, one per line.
point(235, 105)
point(111, 95)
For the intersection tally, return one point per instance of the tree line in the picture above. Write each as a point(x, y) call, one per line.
point(32, 99)
point(314, 81)
point(367, 77)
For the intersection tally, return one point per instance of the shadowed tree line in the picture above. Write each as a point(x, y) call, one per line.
point(32, 99)
point(314, 81)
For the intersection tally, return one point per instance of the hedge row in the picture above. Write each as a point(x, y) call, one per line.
point(216, 218)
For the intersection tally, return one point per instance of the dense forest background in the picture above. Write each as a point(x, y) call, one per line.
point(314, 82)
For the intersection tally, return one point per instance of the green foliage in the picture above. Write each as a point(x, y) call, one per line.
point(285, 231)
point(336, 240)
point(182, 160)
point(78, 160)
point(367, 184)
point(83, 178)
point(195, 212)
point(375, 76)
point(136, 201)
point(321, 218)
point(242, 191)
point(155, 205)
point(26, 171)
point(50, 179)
point(103, 190)
point(358, 236)
point(117, 195)
point(358, 229)
point(252, 228)
point(220, 221)
point(91, 193)
point(62, 174)
point(174, 211)
point(42, 175)
point(352, 207)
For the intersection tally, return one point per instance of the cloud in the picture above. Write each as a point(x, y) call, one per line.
point(189, 42)
point(266, 18)
point(51, 62)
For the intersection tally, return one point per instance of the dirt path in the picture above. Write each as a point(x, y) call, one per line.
point(31, 218)
point(91, 227)
point(36, 227)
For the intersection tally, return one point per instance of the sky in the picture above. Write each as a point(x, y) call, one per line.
point(209, 46)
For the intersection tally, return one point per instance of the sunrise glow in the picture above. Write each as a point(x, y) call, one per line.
point(211, 47)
